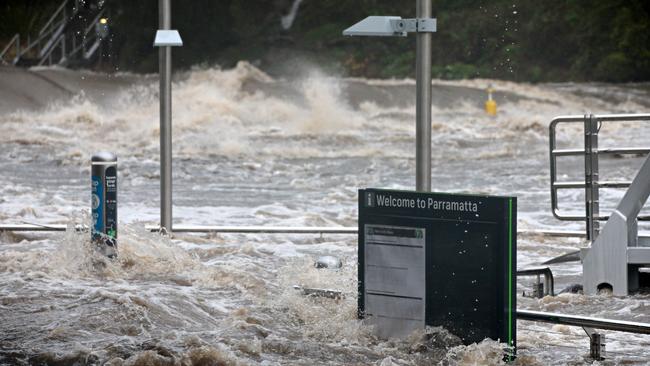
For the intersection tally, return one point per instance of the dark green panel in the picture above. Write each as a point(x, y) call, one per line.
point(463, 279)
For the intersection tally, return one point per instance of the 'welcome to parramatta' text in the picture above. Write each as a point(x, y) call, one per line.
point(386, 200)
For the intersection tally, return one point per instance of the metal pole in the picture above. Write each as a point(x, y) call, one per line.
point(15, 60)
point(165, 55)
point(591, 177)
point(423, 103)
point(596, 343)
point(63, 50)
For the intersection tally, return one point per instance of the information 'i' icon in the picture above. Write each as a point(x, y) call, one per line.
point(370, 202)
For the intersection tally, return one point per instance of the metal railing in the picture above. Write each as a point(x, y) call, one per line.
point(62, 37)
point(589, 325)
point(584, 321)
point(51, 36)
point(350, 230)
point(15, 42)
point(540, 289)
point(591, 152)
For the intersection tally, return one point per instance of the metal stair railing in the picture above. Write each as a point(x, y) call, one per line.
point(55, 38)
point(591, 152)
point(91, 37)
point(50, 33)
point(56, 35)
point(15, 41)
point(48, 55)
point(46, 28)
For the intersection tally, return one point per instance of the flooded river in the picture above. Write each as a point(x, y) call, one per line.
point(255, 149)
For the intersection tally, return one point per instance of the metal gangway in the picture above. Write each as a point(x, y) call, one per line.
point(73, 34)
point(617, 251)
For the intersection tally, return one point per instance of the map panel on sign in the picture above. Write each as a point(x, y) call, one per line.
point(395, 278)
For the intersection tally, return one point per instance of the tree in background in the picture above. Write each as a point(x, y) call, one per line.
point(553, 40)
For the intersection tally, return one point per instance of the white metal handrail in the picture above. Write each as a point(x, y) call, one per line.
point(591, 151)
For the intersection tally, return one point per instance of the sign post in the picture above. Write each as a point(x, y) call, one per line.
point(438, 259)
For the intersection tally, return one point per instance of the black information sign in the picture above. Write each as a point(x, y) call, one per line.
point(438, 259)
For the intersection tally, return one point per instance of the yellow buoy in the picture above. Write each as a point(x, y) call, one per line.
point(490, 104)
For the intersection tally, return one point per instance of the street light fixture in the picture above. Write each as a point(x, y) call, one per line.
point(423, 26)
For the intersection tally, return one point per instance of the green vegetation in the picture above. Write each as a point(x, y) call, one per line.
point(526, 40)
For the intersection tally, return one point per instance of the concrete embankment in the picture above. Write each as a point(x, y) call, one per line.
point(36, 88)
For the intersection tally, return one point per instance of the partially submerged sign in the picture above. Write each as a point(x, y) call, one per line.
point(438, 259)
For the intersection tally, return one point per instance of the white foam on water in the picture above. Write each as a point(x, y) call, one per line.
point(326, 319)
point(488, 352)
point(215, 111)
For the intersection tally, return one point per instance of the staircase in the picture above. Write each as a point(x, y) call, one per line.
point(617, 252)
point(72, 36)
point(616, 255)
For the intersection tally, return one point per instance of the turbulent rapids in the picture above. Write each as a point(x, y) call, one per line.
point(256, 149)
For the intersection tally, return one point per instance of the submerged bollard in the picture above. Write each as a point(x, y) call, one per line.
point(104, 202)
point(490, 104)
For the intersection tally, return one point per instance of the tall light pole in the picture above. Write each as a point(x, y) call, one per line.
point(165, 39)
point(423, 26)
point(423, 102)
